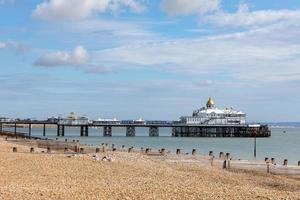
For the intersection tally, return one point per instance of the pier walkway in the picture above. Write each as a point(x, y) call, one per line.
point(178, 129)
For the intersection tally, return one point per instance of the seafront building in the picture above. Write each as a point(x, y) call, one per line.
point(210, 115)
point(73, 119)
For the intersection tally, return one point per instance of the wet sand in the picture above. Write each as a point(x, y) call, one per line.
point(123, 175)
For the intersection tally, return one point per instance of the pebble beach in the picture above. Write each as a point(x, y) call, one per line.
point(123, 175)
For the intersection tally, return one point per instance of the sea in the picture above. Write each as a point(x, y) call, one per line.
point(283, 144)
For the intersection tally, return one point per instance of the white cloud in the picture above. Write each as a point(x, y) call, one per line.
point(255, 56)
point(2, 45)
point(185, 7)
point(245, 18)
point(72, 10)
point(78, 56)
point(14, 46)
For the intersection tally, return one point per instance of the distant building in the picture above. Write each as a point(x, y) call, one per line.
point(72, 119)
point(210, 115)
point(5, 119)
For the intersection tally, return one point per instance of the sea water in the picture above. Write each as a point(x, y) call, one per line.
point(283, 144)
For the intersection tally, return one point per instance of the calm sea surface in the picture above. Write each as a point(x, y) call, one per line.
point(280, 145)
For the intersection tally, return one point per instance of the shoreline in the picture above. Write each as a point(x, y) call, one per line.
point(128, 175)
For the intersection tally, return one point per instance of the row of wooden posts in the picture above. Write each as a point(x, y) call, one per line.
point(222, 155)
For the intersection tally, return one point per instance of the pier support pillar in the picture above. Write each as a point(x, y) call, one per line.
point(154, 131)
point(130, 131)
point(84, 131)
point(44, 130)
point(107, 131)
point(176, 131)
point(60, 130)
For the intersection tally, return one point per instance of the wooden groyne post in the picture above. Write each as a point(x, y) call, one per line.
point(194, 152)
point(178, 151)
point(285, 162)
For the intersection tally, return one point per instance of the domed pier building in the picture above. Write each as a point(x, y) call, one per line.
point(210, 121)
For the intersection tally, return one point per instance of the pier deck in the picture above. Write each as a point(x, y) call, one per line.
point(178, 129)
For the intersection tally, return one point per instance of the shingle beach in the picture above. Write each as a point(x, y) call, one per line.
point(123, 175)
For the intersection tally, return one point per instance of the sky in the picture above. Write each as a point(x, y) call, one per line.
point(155, 59)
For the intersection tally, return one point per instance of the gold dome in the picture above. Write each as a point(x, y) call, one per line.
point(210, 103)
point(73, 115)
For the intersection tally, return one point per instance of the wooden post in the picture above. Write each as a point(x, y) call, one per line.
point(147, 150)
point(29, 130)
point(194, 152)
point(44, 130)
point(97, 150)
point(81, 150)
point(298, 163)
point(221, 155)
point(66, 149)
point(266, 159)
point(15, 128)
point(123, 146)
point(130, 149)
point(285, 162)
point(228, 160)
point(255, 145)
point(112, 146)
point(211, 157)
point(268, 167)
point(66, 140)
point(48, 150)
point(15, 150)
point(162, 151)
point(273, 160)
point(178, 151)
point(31, 150)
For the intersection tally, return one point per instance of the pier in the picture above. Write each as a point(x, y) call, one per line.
point(178, 129)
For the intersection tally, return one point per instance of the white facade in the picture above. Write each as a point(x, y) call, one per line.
point(72, 119)
point(210, 115)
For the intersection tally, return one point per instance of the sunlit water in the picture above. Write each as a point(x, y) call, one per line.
point(281, 145)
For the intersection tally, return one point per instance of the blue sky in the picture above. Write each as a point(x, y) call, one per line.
point(157, 59)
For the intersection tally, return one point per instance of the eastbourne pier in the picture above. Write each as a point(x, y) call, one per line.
point(207, 121)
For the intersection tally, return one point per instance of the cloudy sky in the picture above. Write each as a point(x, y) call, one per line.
point(156, 59)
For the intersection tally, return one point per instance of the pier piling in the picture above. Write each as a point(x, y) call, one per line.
point(130, 131)
point(107, 131)
point(154, 131)
point(285, 162)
